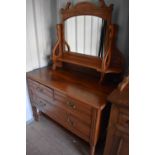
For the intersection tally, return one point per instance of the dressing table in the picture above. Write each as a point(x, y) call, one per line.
point(73, 91)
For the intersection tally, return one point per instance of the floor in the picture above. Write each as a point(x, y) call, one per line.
point(48, 138)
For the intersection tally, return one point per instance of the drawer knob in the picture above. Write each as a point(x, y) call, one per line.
point(39, 89)
point(71, 104)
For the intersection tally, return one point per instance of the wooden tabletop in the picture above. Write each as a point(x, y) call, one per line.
point(119, 97)
point(80, 86)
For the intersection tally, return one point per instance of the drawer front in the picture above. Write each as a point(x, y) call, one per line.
point(32, 84)
point(41, 91)
point(78, 127)
point(123, 120)
point(56, 113)
point(66, 119)
point(40, 103)
point(31, 94)
point(119, 119)
point(45, 93)
point(31, 90)
point(80, 110)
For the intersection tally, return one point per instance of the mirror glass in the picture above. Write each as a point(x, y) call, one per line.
point(83, 34)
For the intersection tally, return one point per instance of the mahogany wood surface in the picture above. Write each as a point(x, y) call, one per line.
point(73, 100)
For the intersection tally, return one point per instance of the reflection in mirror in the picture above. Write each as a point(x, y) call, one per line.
point(83, 34)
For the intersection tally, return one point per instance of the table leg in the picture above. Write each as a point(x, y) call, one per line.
point(92, 150)
point(35, 113)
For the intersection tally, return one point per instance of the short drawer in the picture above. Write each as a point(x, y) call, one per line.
point(79, 109)
point(41, 91)
point(32, 84)
point(44, 92)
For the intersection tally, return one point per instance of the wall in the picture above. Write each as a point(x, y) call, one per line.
point(40, 36)
point(120, 17)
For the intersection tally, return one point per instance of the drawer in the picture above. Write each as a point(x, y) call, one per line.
point(40, 103)
point(56, 113)
point(32, 84)
point(123, 120)
point(31, 94)
point(67, 120)
point(123, 123)
point(79, 109)
point(78, 127)
point(44, 92)
point(41, 90)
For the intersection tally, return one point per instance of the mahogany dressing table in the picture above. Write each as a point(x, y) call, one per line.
point(72, 91)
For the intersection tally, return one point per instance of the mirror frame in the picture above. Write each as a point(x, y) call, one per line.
point(88, 8)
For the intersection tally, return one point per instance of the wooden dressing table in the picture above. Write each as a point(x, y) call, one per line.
point(74, 100)
point(69, 91)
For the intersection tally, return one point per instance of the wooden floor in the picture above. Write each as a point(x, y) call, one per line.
point(48, 138)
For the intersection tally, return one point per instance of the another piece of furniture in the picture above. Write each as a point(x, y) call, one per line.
point(112, 61)
point(117, 141)
point(72, 99)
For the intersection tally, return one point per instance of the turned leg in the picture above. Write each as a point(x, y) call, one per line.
point(35, 113)
point(92, 150)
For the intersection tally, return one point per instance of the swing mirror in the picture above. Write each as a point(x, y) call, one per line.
point(86, 37)
point(85, 34)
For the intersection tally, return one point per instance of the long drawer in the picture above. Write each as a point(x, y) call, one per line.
point(77, 108)
point(64, 118)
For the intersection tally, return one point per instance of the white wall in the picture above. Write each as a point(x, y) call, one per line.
point(40, 36)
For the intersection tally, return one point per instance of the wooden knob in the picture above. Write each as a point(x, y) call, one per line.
point(71, 104)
